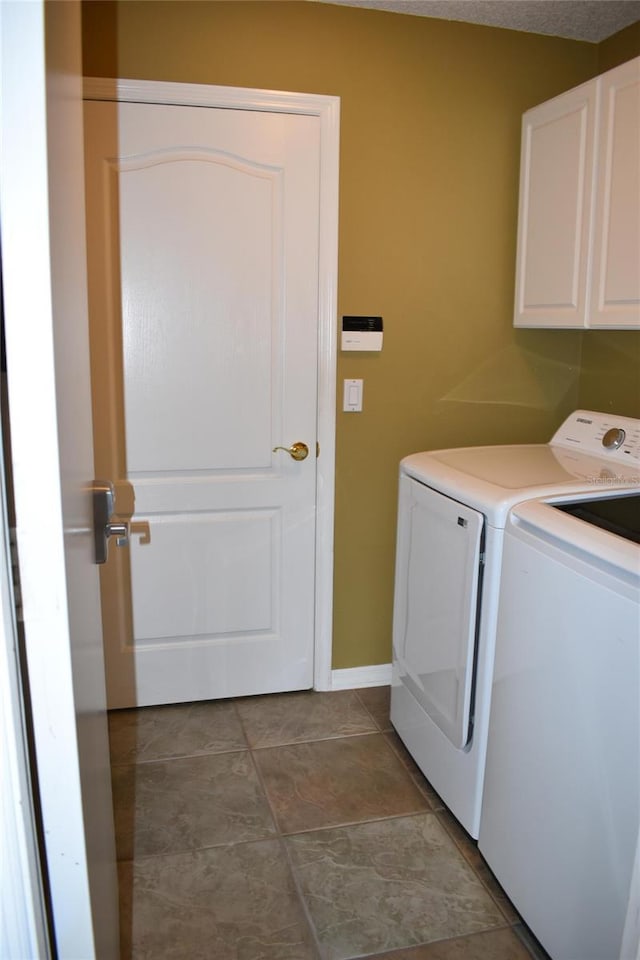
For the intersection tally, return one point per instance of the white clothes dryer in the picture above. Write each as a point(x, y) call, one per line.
point(453, 506)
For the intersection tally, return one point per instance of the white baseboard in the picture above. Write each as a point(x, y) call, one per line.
point(377, 675)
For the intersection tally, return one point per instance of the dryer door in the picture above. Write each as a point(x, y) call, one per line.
point(436, 605)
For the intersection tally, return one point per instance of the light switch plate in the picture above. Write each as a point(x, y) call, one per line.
point(352, 400)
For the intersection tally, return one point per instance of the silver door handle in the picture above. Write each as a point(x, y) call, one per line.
point(103, 507)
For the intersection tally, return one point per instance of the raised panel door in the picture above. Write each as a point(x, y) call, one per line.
point(204, 302)
point(615, 276)
point(556, 181)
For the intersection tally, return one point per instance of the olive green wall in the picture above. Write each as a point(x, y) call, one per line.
point(618, 49)
point(430, 131)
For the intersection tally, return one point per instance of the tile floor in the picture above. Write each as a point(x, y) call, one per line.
point(293, 827)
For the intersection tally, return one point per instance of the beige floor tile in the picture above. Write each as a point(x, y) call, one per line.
point(388, 884)
point(220, 904)
point(329, 782)
point(174, 730)
point(396, 744)
point(178, 805)
point(469, 849)
point(386, 871)
point(297, 717)
point(377, 701)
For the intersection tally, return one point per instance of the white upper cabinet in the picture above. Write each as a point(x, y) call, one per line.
point(578, 258)
point(615, 273)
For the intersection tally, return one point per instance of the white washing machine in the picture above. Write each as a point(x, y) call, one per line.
point(561, 805)
point(453, 506)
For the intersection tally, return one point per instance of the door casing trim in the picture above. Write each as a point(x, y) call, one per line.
point(327, 109)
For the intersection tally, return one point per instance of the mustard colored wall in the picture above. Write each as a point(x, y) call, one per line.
point(619, 48)
point(430, 138)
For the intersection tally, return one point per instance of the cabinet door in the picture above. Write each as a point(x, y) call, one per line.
point(556, 182)
point(615, 277)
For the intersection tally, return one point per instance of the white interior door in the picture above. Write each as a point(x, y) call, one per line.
point(44, 279)
point(203, 276)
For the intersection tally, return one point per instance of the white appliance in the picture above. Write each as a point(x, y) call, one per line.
point(561, 807)
point(453, 506)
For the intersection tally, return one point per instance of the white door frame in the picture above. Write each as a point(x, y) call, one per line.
point(327, 109)
point(23, 927)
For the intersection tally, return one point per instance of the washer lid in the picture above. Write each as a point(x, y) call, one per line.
point(589, 451)
point(493, 479)
point(520, 466)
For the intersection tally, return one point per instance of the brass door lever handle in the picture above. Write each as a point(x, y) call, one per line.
point(297, 450)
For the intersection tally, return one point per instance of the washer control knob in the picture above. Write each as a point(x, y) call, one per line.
point(613, 438)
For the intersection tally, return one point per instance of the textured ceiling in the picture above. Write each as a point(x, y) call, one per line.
point(591, 20)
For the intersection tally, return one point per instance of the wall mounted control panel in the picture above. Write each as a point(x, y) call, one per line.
point(361, 333)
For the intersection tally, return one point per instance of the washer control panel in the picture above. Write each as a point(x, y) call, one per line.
point(602, 434)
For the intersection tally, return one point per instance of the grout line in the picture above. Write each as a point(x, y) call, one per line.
point(414, 771)
point(178, 757)
point(367, 710)
point(238, 715)
point(280, 837)
point(265, 793)
point(464, 842)
point(302, 743)
point(357, 823)
point(297, 886)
